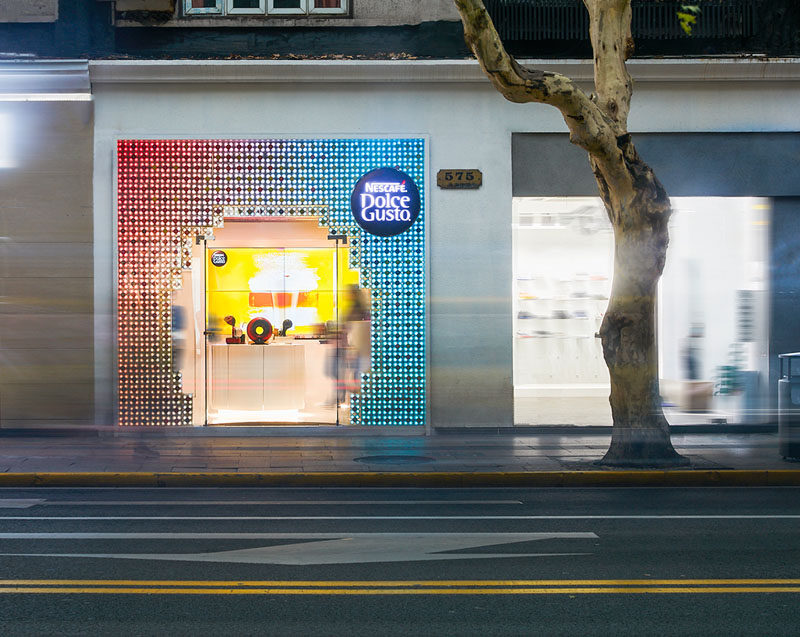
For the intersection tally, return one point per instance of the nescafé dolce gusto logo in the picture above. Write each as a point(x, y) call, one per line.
point(385, 202)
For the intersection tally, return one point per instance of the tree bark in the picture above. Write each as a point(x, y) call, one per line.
point(640, 433)
point(636, 203)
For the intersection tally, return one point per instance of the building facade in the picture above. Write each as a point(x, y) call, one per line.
point(147, 201)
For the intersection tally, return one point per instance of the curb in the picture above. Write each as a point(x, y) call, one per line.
point(643, 478)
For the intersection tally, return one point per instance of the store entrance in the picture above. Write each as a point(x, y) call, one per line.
point(280, 303)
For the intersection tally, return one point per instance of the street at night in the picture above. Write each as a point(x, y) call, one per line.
point(355, 318)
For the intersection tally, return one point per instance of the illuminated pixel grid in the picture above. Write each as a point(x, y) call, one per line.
point(171, 191)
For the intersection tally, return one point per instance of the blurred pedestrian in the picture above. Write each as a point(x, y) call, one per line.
point(359, 339)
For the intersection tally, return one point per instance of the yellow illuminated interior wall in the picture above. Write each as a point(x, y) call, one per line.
point(275, 283)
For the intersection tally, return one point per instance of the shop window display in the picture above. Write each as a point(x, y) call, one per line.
point(713, 331)
point(563, 251)
point(294, 302)
point(712, 313)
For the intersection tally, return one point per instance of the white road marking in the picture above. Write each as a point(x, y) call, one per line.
point(259, 536)
point(19, 503)
point(273, 518)
point(336, 548)
point(266, 502)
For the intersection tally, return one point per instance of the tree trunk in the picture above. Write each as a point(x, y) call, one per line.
point(640, 435)
point(635, 201)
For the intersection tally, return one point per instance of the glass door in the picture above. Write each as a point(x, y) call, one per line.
point(276, 350)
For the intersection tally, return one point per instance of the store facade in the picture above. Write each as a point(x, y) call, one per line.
point(354, 105)
point(187, 268)
point(185, 146)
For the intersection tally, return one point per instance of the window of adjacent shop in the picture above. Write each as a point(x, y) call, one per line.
point(265, 7)
point(563, 260)
point(712, 311)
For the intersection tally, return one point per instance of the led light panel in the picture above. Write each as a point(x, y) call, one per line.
point(170, 191)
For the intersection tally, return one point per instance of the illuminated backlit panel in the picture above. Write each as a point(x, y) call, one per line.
point(170, 191)
point(276, 283)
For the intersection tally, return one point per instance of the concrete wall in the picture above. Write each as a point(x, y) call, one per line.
point(470, 299)
point(404, 11)
point(46, 264)
point(28, 11)
point(468, 126)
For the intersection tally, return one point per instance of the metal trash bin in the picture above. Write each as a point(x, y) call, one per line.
point(789, 406)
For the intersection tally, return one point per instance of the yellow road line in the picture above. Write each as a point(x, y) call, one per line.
point(659, 478)
point(398, 591)
point(401, 583)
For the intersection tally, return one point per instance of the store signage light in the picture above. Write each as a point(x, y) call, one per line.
point(219, 258)
point(385, 202)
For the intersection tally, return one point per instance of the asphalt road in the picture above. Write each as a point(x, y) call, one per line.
point(400, 562)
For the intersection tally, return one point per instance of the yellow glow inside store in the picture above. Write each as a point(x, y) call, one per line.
point(299, 284)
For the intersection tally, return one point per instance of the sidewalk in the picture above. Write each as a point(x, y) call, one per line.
point(352, 452)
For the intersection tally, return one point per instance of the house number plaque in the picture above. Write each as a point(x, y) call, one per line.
point(459, 178)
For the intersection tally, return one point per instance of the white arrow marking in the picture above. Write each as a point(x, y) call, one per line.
point(18, 503)
point(354, 548)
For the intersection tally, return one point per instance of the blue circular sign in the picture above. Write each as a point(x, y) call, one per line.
point(385, 202)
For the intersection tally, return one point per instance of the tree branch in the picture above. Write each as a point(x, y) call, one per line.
point(587, 124)
point(590, 126)
point(610, 33)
